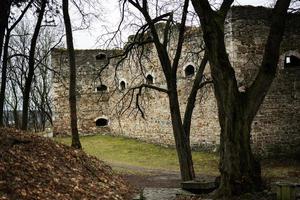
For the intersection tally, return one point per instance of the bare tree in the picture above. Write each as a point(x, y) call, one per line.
point(26, 98)
point(40, 98)
point(17, 66)
point(72, 88)
point(154, 32)
point(12, 103)
point(5, 59)
point(240, 171)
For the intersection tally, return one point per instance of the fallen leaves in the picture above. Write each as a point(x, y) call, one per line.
point(32, 167)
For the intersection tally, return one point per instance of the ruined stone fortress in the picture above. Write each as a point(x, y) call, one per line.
point(103, 106)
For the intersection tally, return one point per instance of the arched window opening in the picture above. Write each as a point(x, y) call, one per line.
point(189, 71)
point(101, 122)
point(292, 62)
point(149, 38)
point(101, 88)
point(122, 85)
point(101, 56)
point(149, 79)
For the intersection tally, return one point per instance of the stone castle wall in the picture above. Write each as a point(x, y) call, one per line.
point(276, 128)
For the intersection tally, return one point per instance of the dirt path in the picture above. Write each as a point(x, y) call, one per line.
point(165, 184)
point(140, 177)
point(141, 170)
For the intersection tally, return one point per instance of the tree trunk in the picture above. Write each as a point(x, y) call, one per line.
point(4, 76)
point(5, 54)
point(181, 140)
point(16, 118)
point(4, 25)
point(31, 62)
point(180, 130)
point(72, 89)
point(4, 15)
point(190, 105)
point(240, 172)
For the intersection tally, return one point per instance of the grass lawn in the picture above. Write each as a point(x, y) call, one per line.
point(123, 151)
point(130, 153)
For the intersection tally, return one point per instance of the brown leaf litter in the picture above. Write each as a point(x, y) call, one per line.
point(33, 167)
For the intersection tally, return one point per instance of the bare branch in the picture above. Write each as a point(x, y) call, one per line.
point(180, 37)
point(225, 7)
point(151, 87)
point(205, 83)
point(137, 102)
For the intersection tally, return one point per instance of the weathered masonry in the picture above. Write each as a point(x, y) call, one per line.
point(275, 130)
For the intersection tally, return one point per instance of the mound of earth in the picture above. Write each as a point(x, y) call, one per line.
point(33, 167)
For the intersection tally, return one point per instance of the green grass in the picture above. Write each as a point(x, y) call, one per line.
point(120, 151)
point(126, 155)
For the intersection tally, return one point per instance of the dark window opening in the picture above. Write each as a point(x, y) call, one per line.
point(292, 62)
point(149, 38)
point(122, 85)
point(101, 56)
point(101, 88)
point(189, 71)
point(149, 79)
point(101, 122)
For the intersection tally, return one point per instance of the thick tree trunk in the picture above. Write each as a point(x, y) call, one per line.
point(72, 89)
point(240, 172)
point(31, 62)
point(181, 140)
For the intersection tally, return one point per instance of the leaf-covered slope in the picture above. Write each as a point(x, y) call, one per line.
point(32, 167)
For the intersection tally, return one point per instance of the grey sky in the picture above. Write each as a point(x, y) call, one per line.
point(87, 39)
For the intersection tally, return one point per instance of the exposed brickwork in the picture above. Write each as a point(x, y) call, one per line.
point(276, 128)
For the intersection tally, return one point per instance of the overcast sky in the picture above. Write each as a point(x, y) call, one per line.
point(87, 39)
